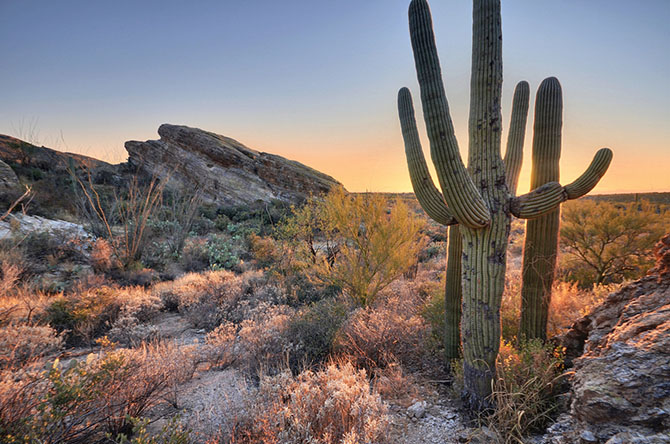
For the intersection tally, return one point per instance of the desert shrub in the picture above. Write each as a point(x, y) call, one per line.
point(606, 243)
point(258, 340)
point(174, 219)
point(102, 256)
point(89, 314)
point(378, 247)
point(390, 331)
point(524, 390)
point(335, 405)
point(23, 343)
point(128, 330)
point(53, 247)
point(264, 250)
point(19, 302)
point(352, 242)
point(395, 384)
point(12, 267)
point(313, 329)
point(194, 256)
point(217, 252)
point(81, 401)
point(209, 298)
point(433, 311)
point(201, 297)
point(23, 306)
point(21, 392)
point(131, 209)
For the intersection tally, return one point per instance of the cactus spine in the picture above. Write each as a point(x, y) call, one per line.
point(541, 242)
point(478, 199)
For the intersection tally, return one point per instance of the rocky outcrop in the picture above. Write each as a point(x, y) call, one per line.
point(22, 225)
point(224, 170)
point(8, 179)
point(16, 151)
point(621, 384)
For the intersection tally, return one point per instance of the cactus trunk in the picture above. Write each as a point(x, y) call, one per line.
point(484, 248)
point(541, 243)
point(453, 296)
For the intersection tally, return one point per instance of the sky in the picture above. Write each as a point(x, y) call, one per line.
point(317, 80)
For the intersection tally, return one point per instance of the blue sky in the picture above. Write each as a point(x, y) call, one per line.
point(316, 81)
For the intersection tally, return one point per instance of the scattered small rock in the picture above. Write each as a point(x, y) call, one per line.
point(417, 410)
point(587, 437)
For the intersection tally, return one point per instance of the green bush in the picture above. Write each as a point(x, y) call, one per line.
point(223, 252)
point(605, 243)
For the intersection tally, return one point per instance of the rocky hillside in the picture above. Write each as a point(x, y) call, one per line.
point(621, 382)
point(17, 152)
point(224, 170)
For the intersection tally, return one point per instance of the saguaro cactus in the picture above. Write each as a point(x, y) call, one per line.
point(478, 199)
point(541, 242)
point(433, 202)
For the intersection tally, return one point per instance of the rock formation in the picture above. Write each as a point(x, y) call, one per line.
point(621, 384)
point(222, 169)
point(17, 151)
point(8, 179)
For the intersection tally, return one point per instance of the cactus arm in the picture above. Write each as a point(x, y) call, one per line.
point(548, 196)
point(460, 192)
point(539, 201)
point(427, 194)
point(590, 178)
point(517, 134)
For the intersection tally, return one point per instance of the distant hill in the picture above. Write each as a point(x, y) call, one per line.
point(656, 198)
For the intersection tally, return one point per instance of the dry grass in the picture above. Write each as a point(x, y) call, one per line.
point(568, 303)
point(523, 392)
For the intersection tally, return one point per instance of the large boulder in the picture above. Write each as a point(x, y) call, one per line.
point(621, 383)
point(224, 170)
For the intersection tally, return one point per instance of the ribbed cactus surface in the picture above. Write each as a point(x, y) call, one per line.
point(480, 198)
point(453, 296)
point(541, 242)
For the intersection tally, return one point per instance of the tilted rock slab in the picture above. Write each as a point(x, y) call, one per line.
point(223, 170)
